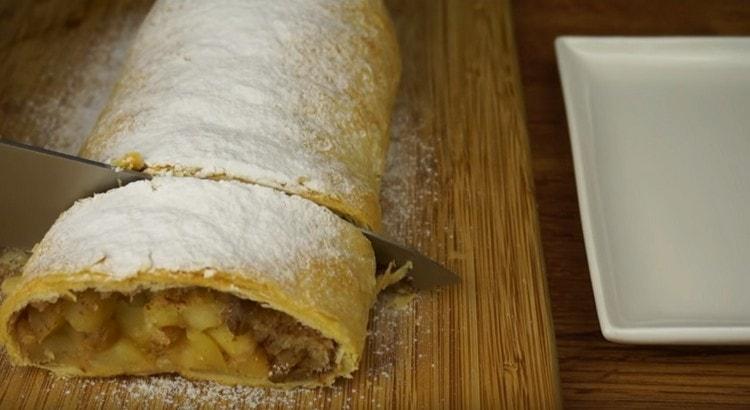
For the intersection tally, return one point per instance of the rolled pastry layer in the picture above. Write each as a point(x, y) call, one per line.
point(290, 94)
point(215, 280)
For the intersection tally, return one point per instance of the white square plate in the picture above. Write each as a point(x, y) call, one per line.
point(660, 132)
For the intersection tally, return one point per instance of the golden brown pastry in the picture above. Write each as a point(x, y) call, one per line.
point(216, 280)
point(290, 94)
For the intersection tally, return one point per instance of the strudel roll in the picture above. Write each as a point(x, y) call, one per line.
point(216, 280)
point(290, 94)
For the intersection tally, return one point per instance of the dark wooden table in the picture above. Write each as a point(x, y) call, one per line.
point(594, 372)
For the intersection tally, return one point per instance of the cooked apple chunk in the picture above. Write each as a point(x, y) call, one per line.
point(233, 345)
point(89, 311)
point(201, 352)
point(170, 330)
point(202, 312)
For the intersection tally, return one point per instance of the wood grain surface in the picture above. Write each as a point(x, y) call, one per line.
point(595, 373)
point(468, 195)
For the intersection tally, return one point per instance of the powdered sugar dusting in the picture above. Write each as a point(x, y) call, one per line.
point(173, 392)
point(187, 224)
point(387, 341)
point(283, 93)
point(410, 181)
point(186, 394)
point(63, 119)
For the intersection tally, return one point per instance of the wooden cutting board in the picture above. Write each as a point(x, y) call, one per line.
point(458, 187)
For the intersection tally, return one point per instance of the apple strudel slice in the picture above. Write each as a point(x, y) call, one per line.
point(216, 280)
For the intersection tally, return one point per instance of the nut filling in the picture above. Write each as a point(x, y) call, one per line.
point(165, 331)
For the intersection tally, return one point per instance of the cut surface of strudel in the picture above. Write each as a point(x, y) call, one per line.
point(294, 95)
point(216, 280)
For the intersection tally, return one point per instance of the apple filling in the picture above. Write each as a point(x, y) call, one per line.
point(174, 329)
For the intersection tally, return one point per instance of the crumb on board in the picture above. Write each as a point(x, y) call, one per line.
point(131, 161)
point(11, 263)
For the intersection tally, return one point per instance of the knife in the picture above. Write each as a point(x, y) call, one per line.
point(36, 185)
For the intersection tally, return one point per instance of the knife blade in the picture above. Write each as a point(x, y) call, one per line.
point(36, 185)
point(425, 273)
